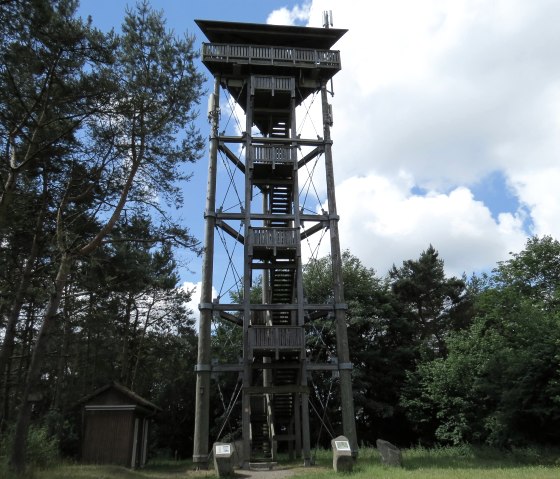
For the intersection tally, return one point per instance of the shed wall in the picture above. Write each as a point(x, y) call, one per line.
point(108, 437)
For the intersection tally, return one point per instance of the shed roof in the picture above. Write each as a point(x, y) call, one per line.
point(135, 398)
point(272, 35)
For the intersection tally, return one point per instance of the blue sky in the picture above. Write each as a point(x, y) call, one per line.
point(447, 122)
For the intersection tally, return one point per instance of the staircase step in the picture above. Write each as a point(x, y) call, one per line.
point(262, 466)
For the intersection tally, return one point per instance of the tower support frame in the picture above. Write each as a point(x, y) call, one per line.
point(270, 70)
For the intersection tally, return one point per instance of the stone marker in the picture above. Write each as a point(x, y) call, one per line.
point(342, 455)
point(390, 454)
point(223, 459)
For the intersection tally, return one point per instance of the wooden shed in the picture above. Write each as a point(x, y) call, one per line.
point(115, 424)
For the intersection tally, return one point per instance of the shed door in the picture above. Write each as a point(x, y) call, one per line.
point(108, 437)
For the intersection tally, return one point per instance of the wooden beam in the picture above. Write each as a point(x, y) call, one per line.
point(273, 307)
point(256, 140)
point(314, 229)
point(231, 318)
point(236, 235)
point(232, 157)
point(227, 368)
point(223, 368)
point(281, 365)
point(322, 367)
point(267, 266)
point(269, 216)
point(312, 154)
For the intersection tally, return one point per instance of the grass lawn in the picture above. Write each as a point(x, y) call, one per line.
point(155, 470)
point(449, 463)
point(463, 462)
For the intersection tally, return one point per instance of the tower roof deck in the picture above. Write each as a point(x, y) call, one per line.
point(238, 50)
point(273, 35)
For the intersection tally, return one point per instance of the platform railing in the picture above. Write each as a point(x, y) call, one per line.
point(276, 338)
point(272, 155)
point(274, 238)
point(272, 83)
point(302, 57)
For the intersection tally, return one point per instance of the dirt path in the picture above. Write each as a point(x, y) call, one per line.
point(265, 474)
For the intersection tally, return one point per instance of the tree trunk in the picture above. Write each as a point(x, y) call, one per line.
point(139, 351)
point(10, 332)
point(17, 458)
point(124, 376)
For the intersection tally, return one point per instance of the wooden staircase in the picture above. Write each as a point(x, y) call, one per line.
point(275, 336)
point(280, 204)
point(261, 442)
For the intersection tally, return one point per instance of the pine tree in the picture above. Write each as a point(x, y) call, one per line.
point(127, 155)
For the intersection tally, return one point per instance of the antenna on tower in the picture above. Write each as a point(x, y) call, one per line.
point(327, 19)
point(327, 23)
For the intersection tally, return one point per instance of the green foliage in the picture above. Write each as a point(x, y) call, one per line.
point(500, 382)
point(429, 299)
point(42, 448)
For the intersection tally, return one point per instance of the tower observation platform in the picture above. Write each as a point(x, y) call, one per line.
point(269, 71)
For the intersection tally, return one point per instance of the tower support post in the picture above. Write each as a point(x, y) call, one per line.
point(203, 367)
point(343, 351)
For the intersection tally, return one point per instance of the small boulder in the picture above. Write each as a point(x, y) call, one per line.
point(390, 454)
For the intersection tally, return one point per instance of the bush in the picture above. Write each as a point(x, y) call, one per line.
point(42, 449)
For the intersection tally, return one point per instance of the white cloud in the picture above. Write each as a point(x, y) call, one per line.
point(435, 96)
point(383, 223)
point(541, 194)
point(285, 16)
point(194, 289)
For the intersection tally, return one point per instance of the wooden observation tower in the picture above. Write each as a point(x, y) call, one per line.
point(269, 71)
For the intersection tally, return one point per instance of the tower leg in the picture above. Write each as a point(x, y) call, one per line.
point(305, 429)
point(347, 398)
point(203, 368)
